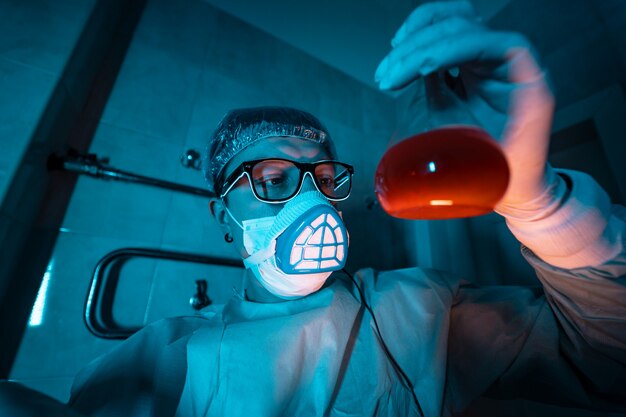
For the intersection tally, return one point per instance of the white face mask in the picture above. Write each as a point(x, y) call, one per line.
point(293, 253)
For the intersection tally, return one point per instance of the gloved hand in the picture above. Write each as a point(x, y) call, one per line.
point(505, 91)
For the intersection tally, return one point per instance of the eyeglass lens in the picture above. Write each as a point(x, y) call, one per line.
point(275, 180)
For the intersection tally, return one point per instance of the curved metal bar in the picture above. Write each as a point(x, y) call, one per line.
point(93, 311)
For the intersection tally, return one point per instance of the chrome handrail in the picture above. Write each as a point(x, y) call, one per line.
point(93, 311)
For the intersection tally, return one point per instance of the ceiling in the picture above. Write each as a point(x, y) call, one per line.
point(350, 35)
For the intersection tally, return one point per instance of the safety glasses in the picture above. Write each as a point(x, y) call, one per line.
point(280, 180)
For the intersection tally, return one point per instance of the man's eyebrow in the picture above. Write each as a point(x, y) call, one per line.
point(320, 156)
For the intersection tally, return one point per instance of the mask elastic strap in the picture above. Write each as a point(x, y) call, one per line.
point(260, 255)
point(231, 215)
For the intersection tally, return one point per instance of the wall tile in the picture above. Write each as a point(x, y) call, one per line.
point(257, 59)
point(11, 230)
point(29, 93)
point(99, 41)
point(190, 227)
point(124, 210)
point(240, 51)
point(174, 285)
point(23, 197)
point(614, 18)
point(29, 172)
point(350, 149)
point(568, 69)
point(42, 33)
point(137, 152)
point(540, 25)
point(379, 112)
point(218, 94)
point(113, 209)
point(341, 97)
point(361, 149)
point(182, 28)
point(5, 179)
point(14, 138)
point(26, 91)
point(61, 345)
point(154, 92)
point(293, 77)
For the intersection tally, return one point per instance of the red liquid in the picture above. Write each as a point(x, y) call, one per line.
point(445, 173)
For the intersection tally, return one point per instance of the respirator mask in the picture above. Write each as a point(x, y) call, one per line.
point(293, 253)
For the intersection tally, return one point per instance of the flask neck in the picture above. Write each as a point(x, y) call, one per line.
point(443, 106)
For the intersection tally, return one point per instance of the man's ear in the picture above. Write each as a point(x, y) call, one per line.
point(217, 210)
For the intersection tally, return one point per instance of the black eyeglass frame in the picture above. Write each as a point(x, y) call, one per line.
point(245, 168)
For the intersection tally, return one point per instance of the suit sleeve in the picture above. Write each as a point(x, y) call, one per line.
point(564, 343)
point(143, 376)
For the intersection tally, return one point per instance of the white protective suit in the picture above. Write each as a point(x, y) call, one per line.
point(320, 355)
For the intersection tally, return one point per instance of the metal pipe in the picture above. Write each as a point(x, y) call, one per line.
point(93, 166)
point(119, 175)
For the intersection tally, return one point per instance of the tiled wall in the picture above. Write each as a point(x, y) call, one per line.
point(37, 42)
point(35, 45)
point(186, 66)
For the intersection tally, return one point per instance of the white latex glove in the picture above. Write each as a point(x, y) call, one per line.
point(505, 90)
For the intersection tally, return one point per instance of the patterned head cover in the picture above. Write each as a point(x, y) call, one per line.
point(240, 128)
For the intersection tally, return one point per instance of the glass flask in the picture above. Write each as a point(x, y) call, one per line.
point(450, 169)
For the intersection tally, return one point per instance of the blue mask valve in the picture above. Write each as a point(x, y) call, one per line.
point(316, 242)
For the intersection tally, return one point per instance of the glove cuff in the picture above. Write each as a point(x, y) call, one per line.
point(574, 232)
point(555, 193)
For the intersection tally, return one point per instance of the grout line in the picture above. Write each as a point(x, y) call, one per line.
point(185, 140)
point(31, 66)
point(130, 129)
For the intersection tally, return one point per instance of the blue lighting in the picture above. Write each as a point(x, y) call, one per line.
point(431, 167)
point(36, 315)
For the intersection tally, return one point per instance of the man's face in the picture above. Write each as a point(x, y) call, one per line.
point(241, 202)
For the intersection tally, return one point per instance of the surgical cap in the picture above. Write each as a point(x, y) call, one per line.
point(240, 128)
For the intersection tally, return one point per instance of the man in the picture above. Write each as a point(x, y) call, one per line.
point(305, 339)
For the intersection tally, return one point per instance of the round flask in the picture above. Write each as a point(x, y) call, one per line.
point(451, 169)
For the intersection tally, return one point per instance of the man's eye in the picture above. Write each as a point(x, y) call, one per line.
point(274, 181)
point(327, 181)
point(270, 181)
